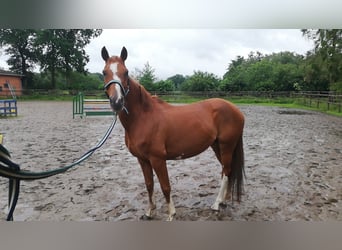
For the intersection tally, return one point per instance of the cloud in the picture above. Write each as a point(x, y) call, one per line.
point(181, 51)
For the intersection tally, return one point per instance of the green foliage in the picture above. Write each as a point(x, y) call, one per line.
point(20, 45)
point(286, 71)
point(336, 86)
point(201, 81)
point(287, 76)
point(315, 73)
point(276, 72)
point(146, 77)
point(76, 81)
point(54, 50)
point(63, 50)
point(323, 68)
point(164, 86)
point(177, 80)
point(61, 57)
point(41, 81)
point(81, 81)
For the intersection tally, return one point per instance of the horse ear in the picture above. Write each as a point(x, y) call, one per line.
point(123, 54)
point(104, 53)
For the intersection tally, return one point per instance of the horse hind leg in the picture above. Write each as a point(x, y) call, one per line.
point(149, 182)
point(224, 156)
point(232, 160)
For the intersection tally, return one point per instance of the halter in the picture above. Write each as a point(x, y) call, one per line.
point(118, 82)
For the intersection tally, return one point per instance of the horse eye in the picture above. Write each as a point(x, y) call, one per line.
point(104, 73)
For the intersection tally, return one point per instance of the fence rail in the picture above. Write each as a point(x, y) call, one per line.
point(226, 94)
point(324, 100)
point(329, 101)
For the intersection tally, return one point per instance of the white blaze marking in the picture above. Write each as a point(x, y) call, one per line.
point(114, 69)
point(118, 90)
point(222, 193)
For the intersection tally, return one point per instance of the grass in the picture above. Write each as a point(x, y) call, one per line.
point(285, 102)
point(321, 106)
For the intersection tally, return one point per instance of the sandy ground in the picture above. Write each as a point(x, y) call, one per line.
point(293, 168)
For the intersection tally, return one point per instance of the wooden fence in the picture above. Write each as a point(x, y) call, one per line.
point(324, 100)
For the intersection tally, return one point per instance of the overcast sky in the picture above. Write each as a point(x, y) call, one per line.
point(181, 51)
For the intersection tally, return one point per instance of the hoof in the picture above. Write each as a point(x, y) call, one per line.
point(170, 217)
point(216, 207)
point(223, 205)
point(146, 217)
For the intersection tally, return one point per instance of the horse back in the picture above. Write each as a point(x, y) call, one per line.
point(215, 109)
point(194, 127)
point(227, 111)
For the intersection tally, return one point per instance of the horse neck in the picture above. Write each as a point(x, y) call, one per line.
point(138, 103)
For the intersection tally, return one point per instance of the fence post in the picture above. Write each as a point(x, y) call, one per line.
point(78, 105)
point(310, 100)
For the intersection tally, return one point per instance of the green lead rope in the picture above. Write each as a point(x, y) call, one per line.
point(13, 172)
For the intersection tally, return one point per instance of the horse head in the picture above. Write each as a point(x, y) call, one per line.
point(116, 79)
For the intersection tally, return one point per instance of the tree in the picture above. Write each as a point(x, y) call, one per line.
point(201, 81)
point(287, 77)
point(19, 45)
point(235, 78)
point(177, 80)
point(328, 52)
point(278, 72)
point(63, 50)
point(164, 86)
point(55, 50)
point(78, 81)
point(260, 76)
point(316, 76)
point(287, 73)
point(146, 77)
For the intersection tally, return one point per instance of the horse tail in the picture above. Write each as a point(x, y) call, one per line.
point(237, 171)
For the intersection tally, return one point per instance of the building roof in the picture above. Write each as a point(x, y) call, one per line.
point(9, 73)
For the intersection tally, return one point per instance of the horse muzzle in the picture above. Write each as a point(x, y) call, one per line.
point(117, 99)
point(117, 103)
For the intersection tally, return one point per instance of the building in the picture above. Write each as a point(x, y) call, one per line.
point(10, 81)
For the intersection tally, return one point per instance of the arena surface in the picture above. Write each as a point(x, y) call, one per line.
point(293, 162)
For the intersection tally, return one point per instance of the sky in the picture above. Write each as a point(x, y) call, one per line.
point(183, 51)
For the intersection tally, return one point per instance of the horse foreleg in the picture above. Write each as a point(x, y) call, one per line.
point(148, 175)
point(172, 210)
point(159, 167)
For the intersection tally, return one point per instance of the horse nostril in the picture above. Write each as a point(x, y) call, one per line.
point(116, 103)
point(111, 100)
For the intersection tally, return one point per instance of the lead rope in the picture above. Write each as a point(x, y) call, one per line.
point(13, 172)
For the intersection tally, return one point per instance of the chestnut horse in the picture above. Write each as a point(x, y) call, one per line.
point(156, 131)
